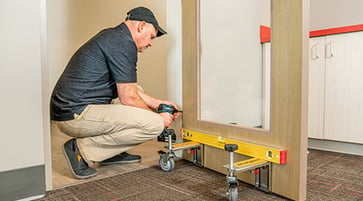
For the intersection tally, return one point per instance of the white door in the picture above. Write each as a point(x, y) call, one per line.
point(316, 88)
point(344, 87)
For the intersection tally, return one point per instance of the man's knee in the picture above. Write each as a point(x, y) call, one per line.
point(154, 126)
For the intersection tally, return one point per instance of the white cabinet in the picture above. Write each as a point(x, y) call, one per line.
point(316, 88)
point(336, 87)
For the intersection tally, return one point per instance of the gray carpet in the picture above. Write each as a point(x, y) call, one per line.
point(334, 176)
point(331, 176)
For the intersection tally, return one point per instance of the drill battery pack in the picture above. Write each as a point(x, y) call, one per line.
point(164, 136)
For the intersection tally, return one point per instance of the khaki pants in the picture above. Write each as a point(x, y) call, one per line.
point(103, 131)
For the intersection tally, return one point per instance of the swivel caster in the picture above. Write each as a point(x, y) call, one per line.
point(232, 183)
point(233, 194)
point(168, 165)
point(166, 161)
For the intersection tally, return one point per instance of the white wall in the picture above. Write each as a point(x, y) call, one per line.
point(174, 59)
point(326, 14)
point(231, 60)
point(21, 105)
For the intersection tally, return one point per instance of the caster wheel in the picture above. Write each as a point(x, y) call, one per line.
point(232, 194)
point(168, 166)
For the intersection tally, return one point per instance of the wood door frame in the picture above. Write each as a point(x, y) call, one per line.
point(289, 75)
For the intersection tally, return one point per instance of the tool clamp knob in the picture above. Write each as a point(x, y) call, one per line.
point(230, 147)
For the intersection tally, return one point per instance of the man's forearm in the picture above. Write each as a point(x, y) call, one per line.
point(150, 101)
point(138, 102)
point(129, 95)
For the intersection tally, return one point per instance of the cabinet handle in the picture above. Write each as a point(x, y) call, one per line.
point(329, 50)
point(314, 52)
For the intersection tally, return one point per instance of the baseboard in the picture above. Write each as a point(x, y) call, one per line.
point(340, 147)
point(22, 184)
point(37, 197)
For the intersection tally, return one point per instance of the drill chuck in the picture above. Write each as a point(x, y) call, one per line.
point(167, 108)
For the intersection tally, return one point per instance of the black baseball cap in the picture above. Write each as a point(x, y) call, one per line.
point(144, 14)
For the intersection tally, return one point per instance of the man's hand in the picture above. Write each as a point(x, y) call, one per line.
point(168, 118)
point(175, 112)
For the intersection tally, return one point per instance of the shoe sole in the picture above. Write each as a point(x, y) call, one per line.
point(119, 162)
point(70, 166)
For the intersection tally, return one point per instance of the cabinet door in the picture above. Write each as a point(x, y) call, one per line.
point(316, 87)
point(344, 87)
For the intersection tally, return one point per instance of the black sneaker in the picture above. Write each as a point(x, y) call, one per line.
point(122, 158)
point(77, 164)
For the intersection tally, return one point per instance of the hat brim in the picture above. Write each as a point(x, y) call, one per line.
point(161, 31)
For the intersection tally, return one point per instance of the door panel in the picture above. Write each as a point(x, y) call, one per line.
point(289, 73)
point(316, 87)
point(344, 87)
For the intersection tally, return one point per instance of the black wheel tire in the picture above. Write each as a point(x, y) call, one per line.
point(168, 166)
point(233, 194)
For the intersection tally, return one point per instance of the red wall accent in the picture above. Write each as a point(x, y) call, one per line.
point(264, 34)
point(266, 37)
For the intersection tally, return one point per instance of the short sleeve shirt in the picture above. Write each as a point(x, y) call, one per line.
point(91, 75)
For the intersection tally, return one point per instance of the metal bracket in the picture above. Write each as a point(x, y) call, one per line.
point(261, 169)
point(263, 178)
point(198, 156)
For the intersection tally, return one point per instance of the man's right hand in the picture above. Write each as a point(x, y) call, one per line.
point(168, 118)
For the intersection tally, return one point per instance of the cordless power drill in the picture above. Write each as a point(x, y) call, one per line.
point(164, 136)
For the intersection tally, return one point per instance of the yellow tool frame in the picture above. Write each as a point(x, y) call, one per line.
point(266, 153)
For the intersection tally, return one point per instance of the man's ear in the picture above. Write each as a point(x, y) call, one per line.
point(141, 26)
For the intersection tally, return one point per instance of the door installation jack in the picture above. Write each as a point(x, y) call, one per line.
point(232, 183)
point(166, 161)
